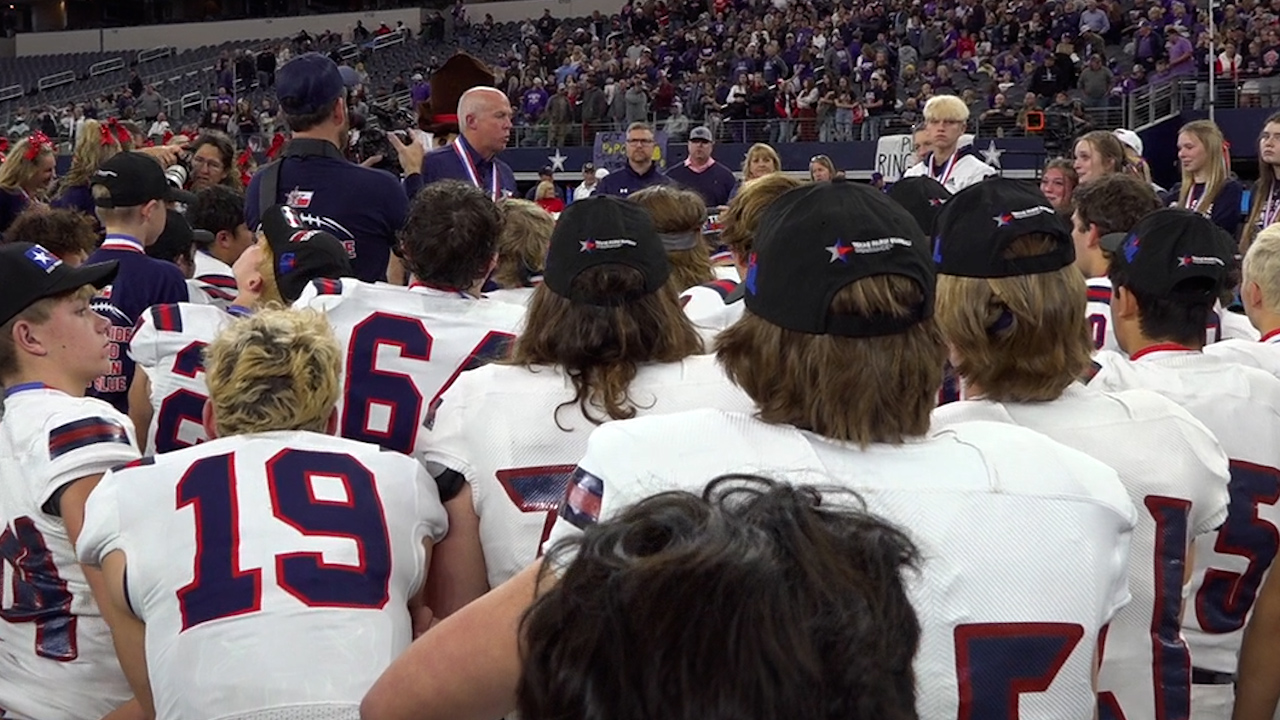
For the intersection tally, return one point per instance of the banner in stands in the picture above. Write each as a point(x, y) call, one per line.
point(894, 154)
point(611, 150)
point(1019, 157)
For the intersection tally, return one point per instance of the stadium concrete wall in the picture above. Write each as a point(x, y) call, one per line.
point(517, 10)
point(185, 36)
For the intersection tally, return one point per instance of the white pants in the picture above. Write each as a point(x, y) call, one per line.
point(1212, 702)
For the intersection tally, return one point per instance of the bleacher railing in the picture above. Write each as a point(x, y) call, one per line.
point(106, 66)
point(385, 41)
point(11, 92)
point(54, 80)
point(146, 56)
point(1154, 104)
point(348, 51)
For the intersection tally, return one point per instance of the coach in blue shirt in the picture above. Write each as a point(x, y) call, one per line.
point(362, 207)
point(484, 121)
point(640, 171)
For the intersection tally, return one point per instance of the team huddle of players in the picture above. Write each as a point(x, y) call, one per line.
point(331, 498)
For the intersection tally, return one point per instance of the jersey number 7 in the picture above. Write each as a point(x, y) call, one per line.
point(221, 588)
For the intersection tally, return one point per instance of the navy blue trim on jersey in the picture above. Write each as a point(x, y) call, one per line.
point(327, 286)
point(140, 462)
point(1099, 294)
point(584, 499)
point(724, 287)
point(1090, 372)
point(24, 387)
point(83, 433)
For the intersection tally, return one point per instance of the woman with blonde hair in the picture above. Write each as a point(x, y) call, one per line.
point(821, 169)
point(25, 176)
point(97, 143)
point(678, 216)
point(522, 250)
point(760, 161)
point(1207, 186)
point(545, 196)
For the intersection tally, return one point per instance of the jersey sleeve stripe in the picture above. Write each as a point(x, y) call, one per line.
point(82, 433)
point(723, 287)
point(1101, 295)
point(218, 281)
point(584, 499)
point(217, 293)
point(327, 286)
point(167, 318)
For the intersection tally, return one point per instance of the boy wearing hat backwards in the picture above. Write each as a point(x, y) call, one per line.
point(168, 393)
point(841, 355)
point(604, 339)
point(1009, 308)
point(55, 444)
point(1167, 273)
point(130, 192)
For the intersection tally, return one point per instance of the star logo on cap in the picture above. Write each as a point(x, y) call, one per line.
point(46, 260)
point(1003, 220)
point(937, 202)
point(287, 262)
point(1184, 261)
point(839, 251)
point(1131, 247)
point(937, 249)
point(750, 281)
point(588, 245)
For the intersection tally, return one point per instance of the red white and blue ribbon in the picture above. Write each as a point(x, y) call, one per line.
point(474, 175)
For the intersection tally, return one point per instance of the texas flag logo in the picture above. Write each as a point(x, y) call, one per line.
point(588, 245)
point(287, 262)
point(937, 202)
point(1003, 220)
point(1131, 247)
point(44, 259)
point(1184, 261)
point(299, 199)
point(839, 251)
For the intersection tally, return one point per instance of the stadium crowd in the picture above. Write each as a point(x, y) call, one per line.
point(335, 439)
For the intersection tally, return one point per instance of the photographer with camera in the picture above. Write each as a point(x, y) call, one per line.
point(363, 207)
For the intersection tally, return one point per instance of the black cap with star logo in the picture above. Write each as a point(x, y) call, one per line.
point(975, 228)
point(29, 273)
point(604, 230)
point(1168, 247)
point(817, 239)
point(923, 197)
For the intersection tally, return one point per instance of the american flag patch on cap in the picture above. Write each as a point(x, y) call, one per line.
point(43, 258)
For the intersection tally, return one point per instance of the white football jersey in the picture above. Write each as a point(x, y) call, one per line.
point(56, 656)
point(196, 294)
point(273, 570)
point(507, 431)
point(515, 296)
point(961, 170)
point(1263, 354)
point(1176, 475)
point(1025, 541)
point(404, 346)
point(1241, 406)
point(215, 279)
point(712, 307)
point(168, 344)
point(1222, 324)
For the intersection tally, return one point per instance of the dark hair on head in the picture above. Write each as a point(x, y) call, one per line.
point(303, 122)
point(755, 599)
point(1180, 317)
point(1115, 202)
point(451, 234)
point(217, 209)
point(226, 153)
point(61, 232)
point(1262, 191)
point(599, 347)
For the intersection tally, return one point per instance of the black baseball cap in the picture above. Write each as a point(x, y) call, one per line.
point(976, 227)
point(177, 240)
point(134, 179)
point(301, 254)
point(815, 240)
point(29, 272)
point(599, 231)
point(921, 196)
point(1169, 246)
point(311, 82)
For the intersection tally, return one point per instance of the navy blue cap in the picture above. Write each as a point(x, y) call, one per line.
point(309, 83)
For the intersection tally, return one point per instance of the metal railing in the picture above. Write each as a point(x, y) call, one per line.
point(11, 92)
point(146, 56)
point(1153, 104)
point(106, 66)
point(54, 80)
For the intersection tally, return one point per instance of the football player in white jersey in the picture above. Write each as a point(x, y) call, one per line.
point(405, 346)
point(217, 215)
point(1113, 204)
point(716, 305)
point(56, 653)
point(522, 250)
point(1167, 274)
point(1260, 295)
point(955, 167)
point(276, 569)
point(840, 353)
point(1013, 320)
point(604, 340)
point(811, 588)
point(168, 394)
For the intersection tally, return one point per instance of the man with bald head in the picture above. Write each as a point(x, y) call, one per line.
point(484, 123)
